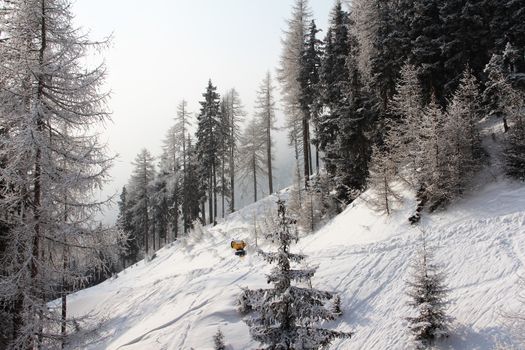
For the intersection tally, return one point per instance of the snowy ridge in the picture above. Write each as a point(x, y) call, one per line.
point(179, 299)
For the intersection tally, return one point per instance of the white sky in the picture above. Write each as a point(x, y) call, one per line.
point(166, 50)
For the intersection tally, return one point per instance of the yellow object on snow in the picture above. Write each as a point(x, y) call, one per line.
point(238, 245)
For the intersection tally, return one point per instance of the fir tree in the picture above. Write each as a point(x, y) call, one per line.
point(209, 138)
point(428, 297)
point(141, 193)
point(125, 223)
point(284, 317)
point(425, 33)
point(310, 89)
point(218, 340)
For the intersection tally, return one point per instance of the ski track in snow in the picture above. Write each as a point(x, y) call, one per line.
point(180, 298)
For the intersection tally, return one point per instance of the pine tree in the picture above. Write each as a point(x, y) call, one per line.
point(284, 317)
point(265, 114)
point(49, 104)
point(428, 296)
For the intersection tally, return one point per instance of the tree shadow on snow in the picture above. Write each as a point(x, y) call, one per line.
point(464, 337)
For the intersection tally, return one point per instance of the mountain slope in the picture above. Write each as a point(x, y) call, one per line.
point(180, 298)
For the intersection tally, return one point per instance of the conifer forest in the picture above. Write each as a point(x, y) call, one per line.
point(367, 192)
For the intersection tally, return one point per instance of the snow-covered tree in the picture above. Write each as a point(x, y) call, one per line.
point(49, 104)
point(284, 316)
point(513, 107)
point(463, 142)
point(251, 165)
point(381, 180)
point(141, 194)
point(403, 137)
point(233, 116)
point(310, 89)
point(428, 297)
point(218, 340)
point(289, 74)
point(265, 114)
point(209, 142)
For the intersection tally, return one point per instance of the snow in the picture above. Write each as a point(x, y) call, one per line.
point(180, 298)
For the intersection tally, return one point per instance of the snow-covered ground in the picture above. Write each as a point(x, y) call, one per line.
point(179, 299)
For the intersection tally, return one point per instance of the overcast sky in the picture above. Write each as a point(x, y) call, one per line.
point(166, 50)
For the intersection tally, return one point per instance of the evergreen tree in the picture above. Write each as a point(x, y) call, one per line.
point(218, 340)
point(265, 114)
point(141, 193)
point(209, 138)
point(512, 105)
point(425, 45)
point(428, 296)
point(284, 317)
point(125, 223)
point(310, 89)
point(192, 192)
point(465, 39)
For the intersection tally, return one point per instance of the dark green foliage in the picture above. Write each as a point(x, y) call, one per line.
point(284, 317)
point(428, 296)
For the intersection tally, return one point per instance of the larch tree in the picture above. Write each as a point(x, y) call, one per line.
point(232, 116)
point(285, 316)
point(50, 102)
point(406, 106)
point(383, 172)
point(288, 75)
point(265, 114)
point(251, 165)
point(463, 142)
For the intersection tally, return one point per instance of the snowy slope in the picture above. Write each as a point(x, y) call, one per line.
point(179, 299)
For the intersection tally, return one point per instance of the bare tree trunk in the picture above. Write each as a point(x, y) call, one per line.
point(214, 193)
point(269, 137)
point(306, 153)
point(254, 180)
